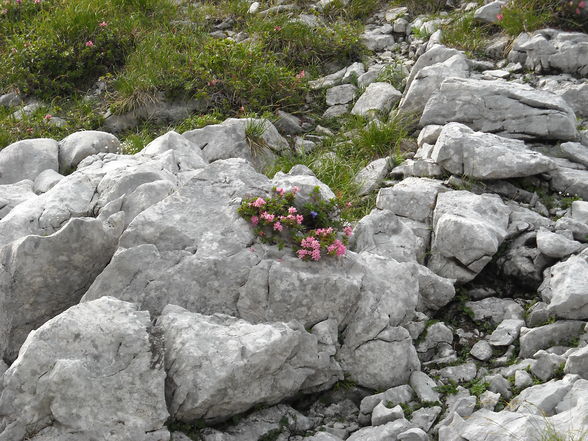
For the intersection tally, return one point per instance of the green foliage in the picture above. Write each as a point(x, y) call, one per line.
point(300, 46)
point(525, 16)
point(463, 32)
point(313, 230)
point(231, 76)
point(447, 389)
point(477, 387)
point(394, 74)
point(64, 46)
point(353, 9)
point(422, 6)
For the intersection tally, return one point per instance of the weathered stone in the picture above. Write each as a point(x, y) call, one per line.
point(256, 140)
point(27, 159)
point(575, 152)
point(543, 337)
point(93, 372)
point(577, 363)
point(378, 99)
point(423, 386)
point(506, 332)
point(495, 309)
point(284, 358)
point(428, 80)
point(565, 288)
point(342, 94)
point(382, 414)
point(46, 180)
point(489, 12)
point(384, 432)
point(468, 229)
point(41, 277)
point(569, 181)
point(381, 232)
point(507, 109)
point(414, 198)
point(13, 194)
point(371, 176)
point(462, 151)
point(79, 145)
point(187, 154)
point(482, 350)
point(556, 245)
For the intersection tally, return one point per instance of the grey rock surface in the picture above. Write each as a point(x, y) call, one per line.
point(79, 145)
point(27, 159)
point(507, 109)
point(93, 372)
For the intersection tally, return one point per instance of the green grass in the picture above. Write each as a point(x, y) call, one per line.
point(339, 159)
point(463, 32)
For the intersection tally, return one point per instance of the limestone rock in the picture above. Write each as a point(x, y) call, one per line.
point(27, 159)
point(79, 145)
point(378, 99)
point(93, 372)
point(462, 151)
point(210, 361)
point(507, 109)
point(13, 194)
point(565, 288)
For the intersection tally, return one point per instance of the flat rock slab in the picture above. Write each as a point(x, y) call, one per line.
point(461, 151)
point(509, 109)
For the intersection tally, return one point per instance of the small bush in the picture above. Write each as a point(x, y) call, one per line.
point(300, 46)
point(64, 46)
point(231, 76)
point(313, 230)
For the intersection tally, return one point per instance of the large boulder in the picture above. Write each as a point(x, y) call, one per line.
point(382, 232)
point(256, 140)
point(219, 366)
point(569, 181)
point(188, 155)
point(41, 277)
point(461, 151)
point(93, 372)
point(377, 352)
point(508, 109)
point(565, 288)
point(467, 231)
point(27, 159)
point(191, 248)
point(79, 145)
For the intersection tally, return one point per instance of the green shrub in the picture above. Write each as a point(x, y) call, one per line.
point(300, 46)
point(530, 15)
point(231, 76)
point(65, 46)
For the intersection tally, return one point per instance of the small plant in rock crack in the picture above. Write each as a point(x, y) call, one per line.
point(313, 230)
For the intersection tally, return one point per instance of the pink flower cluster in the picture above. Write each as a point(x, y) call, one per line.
point(310, 247)
point(337, 248)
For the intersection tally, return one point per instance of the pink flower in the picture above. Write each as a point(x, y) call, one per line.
point(278, 28)
point(295, 189)
point(268, 217)
point(499, 17)
point(302, 253)
point(278, 226)
point(299, 219)
point(582, 4)
point(37, 1)
point(292, 210)
point(89, 43)
point(337, 248)
point(578, 12)
point(348, 204)
point(315, 255)
point(324, 231)
point(254, 220)
point(213, 82)
point(48, 116)
point(310, 242)
point(103, 24)
point(348, 230)
point(280, 191)
point(258, 202)
point(301, 74)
